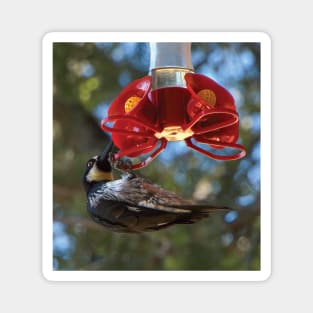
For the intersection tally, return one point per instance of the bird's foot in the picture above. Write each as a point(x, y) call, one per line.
point(122, 165)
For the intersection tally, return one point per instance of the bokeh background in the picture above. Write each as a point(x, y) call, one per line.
point(87, 78)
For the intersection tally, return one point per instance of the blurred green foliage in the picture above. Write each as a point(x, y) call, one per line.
point(86, 79)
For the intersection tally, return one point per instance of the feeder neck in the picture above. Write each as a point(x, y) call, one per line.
point(169, 62)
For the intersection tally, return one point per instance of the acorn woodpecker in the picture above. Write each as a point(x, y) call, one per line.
point(133, 204)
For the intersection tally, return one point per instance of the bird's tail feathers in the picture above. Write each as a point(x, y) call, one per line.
point(204, 208)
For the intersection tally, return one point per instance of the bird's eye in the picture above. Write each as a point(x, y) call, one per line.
point(90, 163)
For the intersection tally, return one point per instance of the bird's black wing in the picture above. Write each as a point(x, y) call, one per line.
point(120, 217)
point(139, 193)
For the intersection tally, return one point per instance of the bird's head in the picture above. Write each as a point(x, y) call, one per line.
point(98, 169)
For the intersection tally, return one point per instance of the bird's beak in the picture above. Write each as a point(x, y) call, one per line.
point(105, 153)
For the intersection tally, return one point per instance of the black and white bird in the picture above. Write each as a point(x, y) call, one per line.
point(133, 204)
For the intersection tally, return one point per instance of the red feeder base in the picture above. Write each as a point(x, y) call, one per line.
point(145, 119)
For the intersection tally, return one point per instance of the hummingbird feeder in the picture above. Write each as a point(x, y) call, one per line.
point(173, 103)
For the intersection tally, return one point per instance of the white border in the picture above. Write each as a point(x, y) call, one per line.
point(47, 156)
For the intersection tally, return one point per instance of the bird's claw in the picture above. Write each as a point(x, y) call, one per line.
point(126, 164)
point(119, 164)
